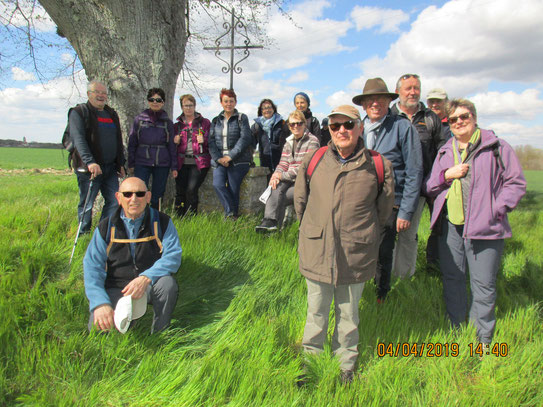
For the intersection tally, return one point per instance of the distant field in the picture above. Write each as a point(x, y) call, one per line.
point(21, 158)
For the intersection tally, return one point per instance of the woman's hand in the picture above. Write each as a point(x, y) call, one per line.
point(224, 161)
point(177, 139)
point(456, 172)
point(275, 179)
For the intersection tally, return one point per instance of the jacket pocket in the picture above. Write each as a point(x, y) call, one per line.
point(311, 247)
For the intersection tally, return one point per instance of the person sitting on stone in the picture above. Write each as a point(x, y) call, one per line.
point(297, 145)
point(134, 252)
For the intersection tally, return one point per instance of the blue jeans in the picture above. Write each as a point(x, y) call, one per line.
point(107, 183)
point(227, 183)
point(160, 177)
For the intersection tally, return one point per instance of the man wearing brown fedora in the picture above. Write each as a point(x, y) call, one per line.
point(397, 140)
point(432, 136)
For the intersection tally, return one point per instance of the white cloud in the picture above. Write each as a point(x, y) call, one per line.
point(299, 76)
point(19, 74)
point(18, 17)
point(339, 98)
point(466, 44)
point(387, 19)
point(518, 134)
point(509, 105)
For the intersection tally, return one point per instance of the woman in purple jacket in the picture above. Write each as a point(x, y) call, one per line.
point(476, 179)
point(193, 159)
point(151, 150)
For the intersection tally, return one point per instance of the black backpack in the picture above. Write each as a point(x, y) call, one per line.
point(67, 141)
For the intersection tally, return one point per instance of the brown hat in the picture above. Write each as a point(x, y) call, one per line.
point(374, 86)
point(346, 110)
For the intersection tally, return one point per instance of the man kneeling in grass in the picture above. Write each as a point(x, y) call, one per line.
point(132, 253)
point(342, 206)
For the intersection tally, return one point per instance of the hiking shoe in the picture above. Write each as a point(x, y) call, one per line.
point(267, 225)
point(347, 376)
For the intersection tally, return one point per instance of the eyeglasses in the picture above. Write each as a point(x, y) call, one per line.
point(295, 124)
point(139, 194)
point(347, 125)
point(98, 92)
point(267, 107)
point(464, 117)
point(187, 106)
point(157, 100)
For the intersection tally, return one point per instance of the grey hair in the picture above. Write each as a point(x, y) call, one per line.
point(94, 82)
point(407, 76)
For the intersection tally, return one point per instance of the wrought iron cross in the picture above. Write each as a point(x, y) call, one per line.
point(236, 25)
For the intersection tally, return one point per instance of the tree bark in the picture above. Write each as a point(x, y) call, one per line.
point(129, 45)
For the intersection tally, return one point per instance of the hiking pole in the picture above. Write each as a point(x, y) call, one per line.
point(81, 170)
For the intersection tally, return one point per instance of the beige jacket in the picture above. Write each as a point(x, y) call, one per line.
point(341, 214)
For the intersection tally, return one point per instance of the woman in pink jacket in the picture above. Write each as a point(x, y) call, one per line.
point(476, 180)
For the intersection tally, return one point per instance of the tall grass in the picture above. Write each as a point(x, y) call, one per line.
point(236, 335)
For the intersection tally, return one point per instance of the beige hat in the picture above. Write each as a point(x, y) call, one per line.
point(437, 93)
point(346, 110)
point(127, 310)
point(375, 86)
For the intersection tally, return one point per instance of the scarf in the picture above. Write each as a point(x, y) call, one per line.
point(455, 203)
point(371, 131)
point(267, 124)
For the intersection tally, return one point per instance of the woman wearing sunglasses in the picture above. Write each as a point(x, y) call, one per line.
point(230, 144)
point(297, 145)
point(476, 179)
point(151, 147)
point(193, 158)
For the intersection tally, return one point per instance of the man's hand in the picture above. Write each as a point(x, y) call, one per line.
point(95, 170)
point(224, 161)
point(174, 173)
point(402, 224)
point(456, 172)
point(103, 317)
point(137, 287)
point(275, 179)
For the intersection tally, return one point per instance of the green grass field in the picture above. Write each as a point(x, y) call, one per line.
point(23, 158)
point(238, 324)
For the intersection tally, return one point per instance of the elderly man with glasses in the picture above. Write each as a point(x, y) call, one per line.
point(134, 252)
point(342, 201)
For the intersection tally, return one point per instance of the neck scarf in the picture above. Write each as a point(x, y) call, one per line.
point(371, 131)
point(267, 124)
point(455, 203)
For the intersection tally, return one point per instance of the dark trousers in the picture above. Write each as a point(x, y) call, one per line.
point(107, 183)
point(188, 182)
point(227, 183)
point(160, 177)
point(162, 295)
point(386, 251)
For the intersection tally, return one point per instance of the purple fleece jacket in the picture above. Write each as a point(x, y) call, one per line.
point(494, 191)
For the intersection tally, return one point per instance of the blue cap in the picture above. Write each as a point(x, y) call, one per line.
point(304, 95)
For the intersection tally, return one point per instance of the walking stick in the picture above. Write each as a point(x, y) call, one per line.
point(82, 216)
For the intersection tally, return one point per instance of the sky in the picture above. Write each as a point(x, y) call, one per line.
point(489, 51)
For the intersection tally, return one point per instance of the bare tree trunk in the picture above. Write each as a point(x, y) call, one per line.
point(130, 45)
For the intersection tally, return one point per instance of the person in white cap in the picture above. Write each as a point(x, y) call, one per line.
point(133, 253)
point(342, 201)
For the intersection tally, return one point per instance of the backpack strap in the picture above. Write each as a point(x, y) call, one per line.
point(379, 167)
point(497, 155)
point(315, 160)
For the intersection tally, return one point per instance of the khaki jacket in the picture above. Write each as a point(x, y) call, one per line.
point(341, 213)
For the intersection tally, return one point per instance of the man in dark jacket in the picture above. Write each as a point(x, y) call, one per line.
point(98, 156)
point(432, 136)
point(341, 209)
point(135, 252)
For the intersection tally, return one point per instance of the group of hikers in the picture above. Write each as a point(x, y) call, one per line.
point(358, 186)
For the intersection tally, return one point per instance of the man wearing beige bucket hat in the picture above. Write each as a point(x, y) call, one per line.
point(397, 140)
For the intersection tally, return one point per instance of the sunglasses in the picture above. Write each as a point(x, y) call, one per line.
point(409, 75)
point(347, 125)
point(157, 100)
point(139, 194)
point(464, 117)
point(295, 124)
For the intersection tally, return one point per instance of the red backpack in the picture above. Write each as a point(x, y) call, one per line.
point(376, 157)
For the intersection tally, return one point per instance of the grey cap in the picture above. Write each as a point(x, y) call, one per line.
point(437, 93)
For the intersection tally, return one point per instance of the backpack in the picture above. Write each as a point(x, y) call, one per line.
point(67, 141)
point(159, 223)
point(376, 157)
